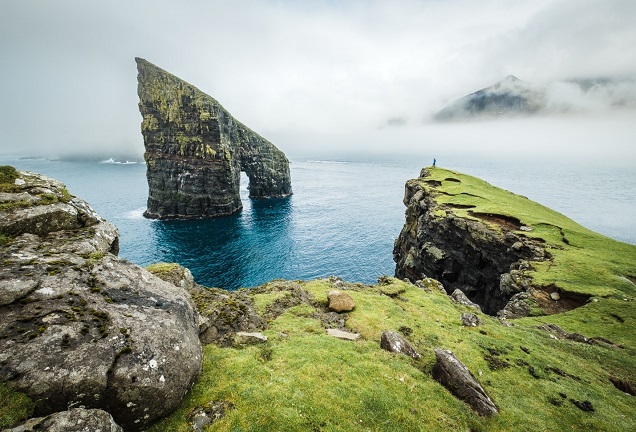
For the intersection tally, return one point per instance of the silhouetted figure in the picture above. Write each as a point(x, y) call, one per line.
point(434, 162)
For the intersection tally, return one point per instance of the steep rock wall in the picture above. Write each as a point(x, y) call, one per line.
point(196, 150)
point(485, 261)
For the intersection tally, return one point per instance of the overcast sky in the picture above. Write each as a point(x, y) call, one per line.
point(298, 72)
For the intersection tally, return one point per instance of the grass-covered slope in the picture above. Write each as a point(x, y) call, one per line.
point(582, 261)
point(301, 379)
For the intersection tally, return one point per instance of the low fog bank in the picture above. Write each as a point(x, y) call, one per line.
point(584, 139)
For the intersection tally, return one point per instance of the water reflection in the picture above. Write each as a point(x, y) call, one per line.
point(242, 250)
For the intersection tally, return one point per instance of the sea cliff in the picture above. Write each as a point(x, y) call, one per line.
point(196, 150)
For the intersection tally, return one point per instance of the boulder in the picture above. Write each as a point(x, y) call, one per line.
point(73, 420)
point(456, 377)
point(249, 338)
point(470, 320)
point(341, 334)
point(392, 341)
point(340, 301)
point(82, 327)
point(458, 296)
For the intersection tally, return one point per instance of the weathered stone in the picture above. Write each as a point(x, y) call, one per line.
point(73, 420)
point(341, 334)
point(555, 296)
point(394, 342)
point(173, 273)
point(248, 338)
point(195, 151)
point(456, 377)
point(202, 416)
point(517, 306)
point(81, 327)
point(340, 301)
point(483, 256)
point(470, 320)
point(559, 333)
point(227, 313)
point(458, 296)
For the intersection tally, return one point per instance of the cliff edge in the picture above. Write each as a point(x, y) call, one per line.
point(196, 150)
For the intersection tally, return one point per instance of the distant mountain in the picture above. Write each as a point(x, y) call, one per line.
point(513, 97)
point(509, 97)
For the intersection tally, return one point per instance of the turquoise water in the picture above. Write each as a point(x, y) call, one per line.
point(342, 219)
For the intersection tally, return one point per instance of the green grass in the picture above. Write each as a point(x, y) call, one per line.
point(301, 379)
point(15, 406)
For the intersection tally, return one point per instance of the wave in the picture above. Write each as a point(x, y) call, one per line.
point(135, 214)
point(327, 161)
point(113, 161)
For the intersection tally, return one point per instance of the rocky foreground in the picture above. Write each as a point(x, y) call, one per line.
point(90, 340)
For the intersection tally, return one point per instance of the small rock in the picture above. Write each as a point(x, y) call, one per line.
point(340, 334)
point(248, 338)
point(394, 342)
point(470, 320)
point(458, 296)
point(555, 296)
point(456, 377)
point(340, 302)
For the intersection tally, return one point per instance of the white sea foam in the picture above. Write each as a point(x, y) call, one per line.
point(135, 214)
point(113, 161)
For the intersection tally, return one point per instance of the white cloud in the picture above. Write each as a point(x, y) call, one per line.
point(286, 68)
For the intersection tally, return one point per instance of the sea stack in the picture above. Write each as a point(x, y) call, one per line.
point(196, 150)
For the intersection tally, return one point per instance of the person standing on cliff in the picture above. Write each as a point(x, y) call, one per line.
point(434, 162)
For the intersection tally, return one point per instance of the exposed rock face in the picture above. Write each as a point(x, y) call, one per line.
point(195, 151)
point(81, 327)
point(392, 341)
point(484, 263)
point(456, 377)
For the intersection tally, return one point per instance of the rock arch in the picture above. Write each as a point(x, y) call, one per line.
point(196, 150)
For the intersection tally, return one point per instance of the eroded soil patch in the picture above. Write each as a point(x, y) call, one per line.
point(503, 221)
point(566, 300)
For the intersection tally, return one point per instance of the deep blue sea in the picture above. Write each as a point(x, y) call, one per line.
point(342, 219)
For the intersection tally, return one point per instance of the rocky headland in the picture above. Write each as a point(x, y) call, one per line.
point(196, 150)
point(88, 339)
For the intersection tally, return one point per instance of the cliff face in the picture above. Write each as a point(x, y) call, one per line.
point(196, 150)
point(481, 256)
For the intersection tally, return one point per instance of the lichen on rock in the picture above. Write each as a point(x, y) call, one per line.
point(78, 324)
point(196, 150)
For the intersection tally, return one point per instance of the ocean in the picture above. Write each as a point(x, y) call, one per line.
point(341, 221)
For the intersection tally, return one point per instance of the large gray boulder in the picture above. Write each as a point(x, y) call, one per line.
point(456, 377)
point(73, 420)
point(81, 327)
point(392, 341)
